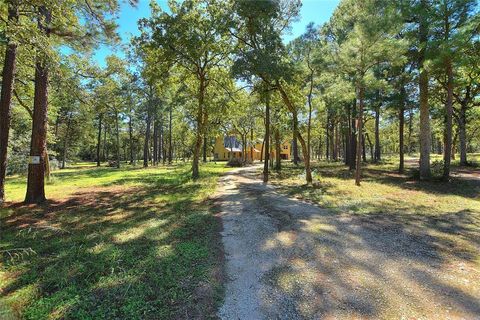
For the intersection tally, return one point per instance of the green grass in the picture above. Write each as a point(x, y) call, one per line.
point(383, 190)
point(132, 243)
point(449, 211)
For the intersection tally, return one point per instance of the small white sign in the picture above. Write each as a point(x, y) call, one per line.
point(34, 160)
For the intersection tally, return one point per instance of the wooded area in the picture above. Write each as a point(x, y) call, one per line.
point(350, 181)
point(379, 78)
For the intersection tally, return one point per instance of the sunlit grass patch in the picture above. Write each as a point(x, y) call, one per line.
point(127, 243)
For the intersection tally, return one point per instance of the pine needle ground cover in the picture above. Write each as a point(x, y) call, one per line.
point(128, 243)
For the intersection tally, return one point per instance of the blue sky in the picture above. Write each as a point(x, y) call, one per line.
point(317, 11)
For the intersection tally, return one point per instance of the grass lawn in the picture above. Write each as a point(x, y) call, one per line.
point(128, 243)
point(449, 212)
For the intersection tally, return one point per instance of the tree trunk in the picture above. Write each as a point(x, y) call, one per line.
point(377, 135)
point(99, 137)
point(359, 134)
point(267, 136)
point(155, 141)
point(371, 147)
point(425, 142)
point(327, 137)
point(364, 149)
point(462, 134)
point(401, 120)
point(130, 138)
point(8, 79)
point(65, 142)
point(336, 139)
point(353, 140)
point(146, 146)
point(205, 149)
point(170, 148)
point(348, 138)
point(448, 125)
point(160, 141)
point(295, 144)
point(454, 144)
point(263, 148)
point(117, 135)
point(251, 144)
point(278, 149)
point(36, 171)
point(201, 122)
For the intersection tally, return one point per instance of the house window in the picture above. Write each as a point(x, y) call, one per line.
point(229, 154)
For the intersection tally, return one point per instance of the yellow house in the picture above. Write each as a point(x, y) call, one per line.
point(229, 147)
point(285, 150)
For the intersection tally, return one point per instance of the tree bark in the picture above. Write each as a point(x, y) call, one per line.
point(251, 144)
point(205, 149)
point(117, 134)
point(447, 153)
point(295, 144)
point(130, 138)
point(99, 137)
point(8, 79)
point(170, 148)
point(155, 141)
point(36, 171)
point(358, 173)
point(146, 146)
point(377, 135)
point(65, 142)
point(462, 134)
point(278, 149)
point(267, 136)
point(401, 126)
point(348, 137)
point(201, 122)
point(327, 137)
point(425, 142)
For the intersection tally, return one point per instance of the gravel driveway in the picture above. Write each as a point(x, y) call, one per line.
point(287, 259)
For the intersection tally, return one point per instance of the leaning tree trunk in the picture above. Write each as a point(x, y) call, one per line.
point(305, 151)
point(8, 79)
point(448, 125)
point(358, 173)
point(99, 138)
point(36, 171)
point(425, 141)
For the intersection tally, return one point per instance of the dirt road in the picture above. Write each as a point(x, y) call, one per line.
point(286, 259)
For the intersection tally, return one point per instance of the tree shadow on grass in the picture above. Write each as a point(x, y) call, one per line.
point(335, 264)
point(468, 187)
point(114, 253)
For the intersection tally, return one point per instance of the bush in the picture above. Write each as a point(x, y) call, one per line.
point(235, 162)
point(437, 168)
